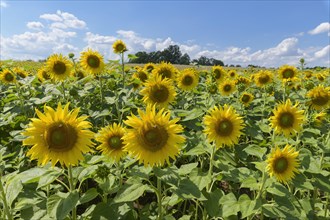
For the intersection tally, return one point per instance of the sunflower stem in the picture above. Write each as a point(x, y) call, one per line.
point(211, 167)
point(4, 200)
point(123, 68)
point(159, 199)
point(101, 96)
point(21, 99)
point(64, 94)
point(72, 188)
point(326, 205)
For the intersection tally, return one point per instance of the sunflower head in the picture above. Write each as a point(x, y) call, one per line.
point(218, 73)
point(319, 97)
point(20, 72)
point(111, 139)
point(43, 74)
point(141, 74)
point(7, 76)
point(227, 87)
point(58, 136)
point(187, 79)
point(165, 70)
point(263, 77)
point(92, 62)
point(287, 73)
point(119, 46)
point(246, 98)
point(158, 91)
point(232, 73)
point(58, 67)
point(287, 118)
point(78, 73)
point(308, 74)
point(223, 125)
point(153, 138)
point(283, 163)
point(149, 67)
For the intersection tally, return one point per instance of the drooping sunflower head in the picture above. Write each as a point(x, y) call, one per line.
point(20, 72)
point(319, 97)
point(308, 74)
point(58, 67)
point(165, 70)
point(153, 138)
point(158, 91)
point(223, 125)
point(43, 74)
point(227, 87)
point(111, 139)
point(287, 73)
point(263, 77)
point(287, 119)
point(119, 46)
point(149, 67)
point(320, 76)
point(320, 118)
point(78, 73)
point(58, 136)
point(7, 76)
point(246, 98)
point(218, 73)
point(283, 163)
point(187, 79)
point(92, 62)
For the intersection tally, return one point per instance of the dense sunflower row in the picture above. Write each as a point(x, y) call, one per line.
point(150, 106)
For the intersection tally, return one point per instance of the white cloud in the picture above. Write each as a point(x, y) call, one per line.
point(321, 28)
point(51, 17)
point(3, 4)
point(324, 52)
point(64, 20)
point(36, 25)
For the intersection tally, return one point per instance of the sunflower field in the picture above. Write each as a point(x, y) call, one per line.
point(85, 138)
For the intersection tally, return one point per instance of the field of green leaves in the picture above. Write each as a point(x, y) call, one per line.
point(157, 142)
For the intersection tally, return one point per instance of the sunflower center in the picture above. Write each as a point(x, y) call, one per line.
point(288, 74)
point(9, 77)
point(93, 61)
point(227, 88)
point(159, 93)
point(115, 142)
point(217, 74)
point(59, 67)
point(120, 47)
point(224, 128)
point(264, 79)
point(286, 120)
point(320, 100)
point(245, 98)
point(165, 73)
point(232, 74)
point(143, 76)
point(187, 80)
point(61, 137)
point(45, 75)
point(281, 165)
point(155, 138)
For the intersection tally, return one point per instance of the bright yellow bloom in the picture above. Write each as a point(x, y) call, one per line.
point(7, 76)
point(43, 74)
point(153, 138)
point(58, 67)
point(111, 139)
point(287, 73)
point(187, 79)
point(58, 136)
point(287, 119)
point(165, 70)
point(283, 163)
point(149, 67)
point(263, 78)
point(223, 125)
point(20, 72)
point(119, 46)
point(92, 62)
point(246, 98)
point(227, 87)
point(219, 73)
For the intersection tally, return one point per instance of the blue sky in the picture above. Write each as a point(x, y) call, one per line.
point(266, 33)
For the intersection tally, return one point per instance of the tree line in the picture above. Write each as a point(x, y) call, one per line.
point(173, 55)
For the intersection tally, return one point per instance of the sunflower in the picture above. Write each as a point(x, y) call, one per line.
point(158, 91)
point(149, 67)
point(232, 74)
point(111, 139)
point(58, 136)
point(20, 72)
point(287, 73)
point(58, 67)
point(319, 97)
point(223, 125)
point(43, 74)
point(119, 46)
point(187, 79)
point(287, 119)
point(92, 61)
point(7, 76)
point(321, 77)
point(153, 138)
point(308, 74)
point(165, 70)
point(246, 98)
point(218, 73)
point(78, 73)
point(283, 163)
point(141, 74)
point(227, 87)
point(319, 118)
point(263, 77)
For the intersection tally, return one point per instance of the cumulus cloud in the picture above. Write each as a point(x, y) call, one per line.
point(64, 20)
point(36, 25)
point(324, 52)
point(3, 4)
point(321, 28)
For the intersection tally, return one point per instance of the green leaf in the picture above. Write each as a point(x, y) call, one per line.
point(47, 178)
point(12, 189)
point(256, 150)
point(130, 193)
point(229, 205)
point(89, 195)
point(188, 190)
point(278, 189)
point(186, 168)
point(199, 178)
point(250, 183)
point(212, 204)
point(322, 182)
point(248, 206)
point(104, 211)
point(61, 204)
point(300, 182)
